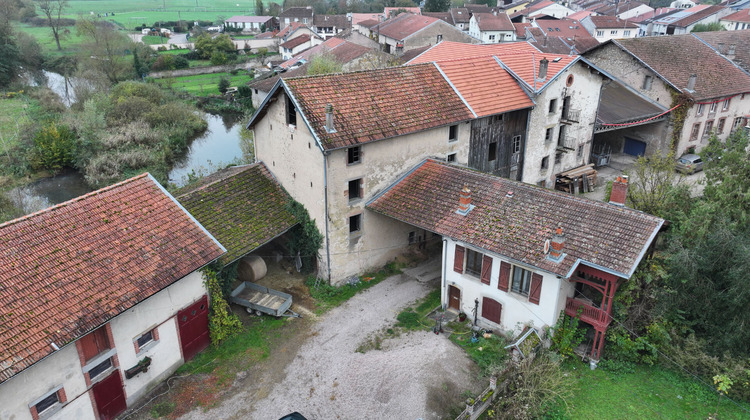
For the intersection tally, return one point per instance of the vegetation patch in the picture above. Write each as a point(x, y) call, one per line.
point(328, 296)
point(488, 353)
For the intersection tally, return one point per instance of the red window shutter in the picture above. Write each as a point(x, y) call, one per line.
point(504, 278)
point(491, 310)
point(486, 269)
point(536, 288)
point(94, 343)
point(458, 260)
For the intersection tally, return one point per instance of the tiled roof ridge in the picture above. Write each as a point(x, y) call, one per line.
point(384, 70)
point(624, 48)
point(244, 167)
point(531, 187)
point(74, 200)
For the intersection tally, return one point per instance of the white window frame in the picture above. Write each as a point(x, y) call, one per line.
point(699, 111)
point(712, 109)
point(626, 33)
point(148, 344)
point(599, 33)
point(525, 286)
point(725, 105)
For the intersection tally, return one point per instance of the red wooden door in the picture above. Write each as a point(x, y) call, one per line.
point(109, 396)
point(454, 298)
point(193, 325)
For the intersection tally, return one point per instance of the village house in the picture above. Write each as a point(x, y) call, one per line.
point(604, 28)
point(565, 93)
point(675, 71)
point(490, 28)
point(303, 15)
point(520, 255)
point(102, 298)
point(356, 133)
point(541, 8)
point(408, 31)
point(251, 23)
point(327, 26)
point(296, 45)
point(683, 21)
point(737, 21)
point(561, 36)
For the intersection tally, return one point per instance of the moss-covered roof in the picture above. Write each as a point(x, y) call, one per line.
point(243, 208)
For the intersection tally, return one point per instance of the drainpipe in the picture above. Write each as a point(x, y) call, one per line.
point(255, 148)
point(325, 195)
point(444, 287)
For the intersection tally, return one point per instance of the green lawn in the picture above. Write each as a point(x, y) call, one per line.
point(243, 36)
point(154, 40)
point(203, 84)
point(648, 392)
point(70, 42)
point(174, 52)
point(12, 117)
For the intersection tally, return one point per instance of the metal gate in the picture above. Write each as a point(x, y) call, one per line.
point(109, 396)
point(193, 325)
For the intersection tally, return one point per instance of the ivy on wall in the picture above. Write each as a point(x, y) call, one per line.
point(222, 323)
point(679, 115)
point(304, 238)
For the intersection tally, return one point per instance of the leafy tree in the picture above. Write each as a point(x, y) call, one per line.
point(656, 187)
point(708, 27)
point(207, 46)
point(9, 53)
point(223, 85)
point(323, 64)
point(259, 10)
point(437, 5)
point(218, 58)
point(53, 10)
point(107, 50)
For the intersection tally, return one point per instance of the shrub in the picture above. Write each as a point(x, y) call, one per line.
point(244, 92)
point(54, 147)
point(130, 109)
point(223, 85)
point(218, 58)
point(142, 90)
point(566, 335)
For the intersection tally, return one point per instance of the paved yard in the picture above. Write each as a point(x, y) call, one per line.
point(321, 375)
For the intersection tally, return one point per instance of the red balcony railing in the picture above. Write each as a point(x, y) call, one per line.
point(589, 313)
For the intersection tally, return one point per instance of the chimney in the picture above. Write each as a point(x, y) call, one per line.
point(329, 119)
point(556, 245)
point(691, 83)
point(464, 201)
point(731, 51)
point(543, 64)
point(619, 191)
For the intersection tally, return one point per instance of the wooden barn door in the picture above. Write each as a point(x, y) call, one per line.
point(454, 298)
point(193, 325)
point(109, 396)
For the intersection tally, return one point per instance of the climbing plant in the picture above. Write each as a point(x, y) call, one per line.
point(305, 238)
point(566, 335)
point(222, 323)
point(679, 114)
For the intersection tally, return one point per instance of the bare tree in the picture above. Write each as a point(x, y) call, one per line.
point(106, 50)
point(53, 9)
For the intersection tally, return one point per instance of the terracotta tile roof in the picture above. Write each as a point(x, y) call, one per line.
point(516, 227)
point(290, 29)
point(698, 15)
point(327, 21)
point(579, 15)
point(741, 16)
point(490, 22)
point(296, 41)
point(676, 57)
point(611, 22)
point(318, 49)
point(369, 23)
point(444, 16)
point(265, 85)
point(377, 104)
point(404, 25)
point(721, 41)
point(297, 12)
point(265, 35)
point(70, 268)
point(521, 29)
point(243, 208)
point(566, 28)
point(359, 17)
point(477, 8)
point(413, 53)
point(520, 57)
point(390, 12)
point(460, 15)
point(480, 80)
point(249, 19)
point(533, 7)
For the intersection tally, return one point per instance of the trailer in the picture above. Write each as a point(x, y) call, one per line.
point(262, 300)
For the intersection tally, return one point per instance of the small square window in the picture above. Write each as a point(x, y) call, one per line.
point(492, 152)
point(599, 33)
point(558, 157)
point(552, 106)
point(647, 81)
point(439, 37)
point(492, 37)
point(516, 144)
point(355, 189)
point(145, 339)
point(412, 237)
point(548, 135)
point(626, 33)
point(580, 151)
point(100, 368)
point(613, 32)
point(545, 162)
point(48, 403)
point(355, 223)
point(451, 157)
point(453, 133)
point(353, 155)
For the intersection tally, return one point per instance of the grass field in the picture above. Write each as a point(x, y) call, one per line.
point(12, 117)
point(70, 42)
point(203, 84)
point(648, 392)
point(154, 40)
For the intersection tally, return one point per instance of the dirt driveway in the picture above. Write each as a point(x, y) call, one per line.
point(320, 374)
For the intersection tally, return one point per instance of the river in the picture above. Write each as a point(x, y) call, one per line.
point(217, 147)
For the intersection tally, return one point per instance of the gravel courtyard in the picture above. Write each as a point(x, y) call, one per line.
point(416, 375)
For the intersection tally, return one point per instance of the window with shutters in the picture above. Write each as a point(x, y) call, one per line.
point(504, 277)
point(491, 310)
point(473, 262)
point(94, 344)
point(353, 155)
point(521, 281)
point(458, 259)
point(536, 288)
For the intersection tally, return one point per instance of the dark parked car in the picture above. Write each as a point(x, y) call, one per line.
point(689, 164)
point(294, 416)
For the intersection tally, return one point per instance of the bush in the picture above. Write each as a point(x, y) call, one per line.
point(244, 92)
point(566, 335)
point(54, 148)
point(142, 90)
point(129, 109)
point(170, 62)
point(223, 85)
point(218, 58)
